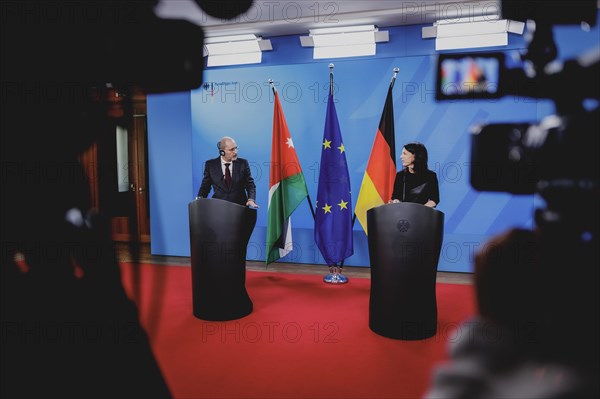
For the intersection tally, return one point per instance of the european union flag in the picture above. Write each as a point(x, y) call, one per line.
point(333, 220)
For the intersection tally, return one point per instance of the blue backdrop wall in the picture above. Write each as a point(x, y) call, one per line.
point(184, 128)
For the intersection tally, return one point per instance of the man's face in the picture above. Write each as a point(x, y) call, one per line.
point(231, 150)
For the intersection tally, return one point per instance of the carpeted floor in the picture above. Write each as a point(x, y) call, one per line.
point(304, 339)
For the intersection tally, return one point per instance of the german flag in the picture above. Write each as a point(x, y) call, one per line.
point(378, 182)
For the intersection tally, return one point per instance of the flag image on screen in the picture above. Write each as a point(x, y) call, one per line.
point(467, 75)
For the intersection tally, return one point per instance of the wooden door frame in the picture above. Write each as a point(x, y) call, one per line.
point(122, 229)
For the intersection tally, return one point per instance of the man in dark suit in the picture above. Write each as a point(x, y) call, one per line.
point(229, 176)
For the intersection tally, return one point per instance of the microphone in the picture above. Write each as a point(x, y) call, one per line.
point(404, 185)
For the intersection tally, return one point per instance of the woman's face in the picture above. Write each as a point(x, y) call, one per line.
point(408, 158)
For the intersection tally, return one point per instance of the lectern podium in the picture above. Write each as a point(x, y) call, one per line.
point(405, 240)
point(219, 234)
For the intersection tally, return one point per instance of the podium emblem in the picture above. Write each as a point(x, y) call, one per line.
point(403, 225)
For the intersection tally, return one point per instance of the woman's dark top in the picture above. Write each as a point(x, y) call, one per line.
point(419, 188)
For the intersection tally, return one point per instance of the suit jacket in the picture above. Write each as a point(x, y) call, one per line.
point(418, 187)
point(242, 183)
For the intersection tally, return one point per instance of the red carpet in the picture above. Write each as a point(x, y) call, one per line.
point(304, 339)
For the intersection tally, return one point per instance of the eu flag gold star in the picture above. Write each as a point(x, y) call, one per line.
point(343, 204)
point(342, 148)
point(327, 208)
point(326, 144)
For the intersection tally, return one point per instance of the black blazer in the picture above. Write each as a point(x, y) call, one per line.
point(242, 183)
point(417, 187)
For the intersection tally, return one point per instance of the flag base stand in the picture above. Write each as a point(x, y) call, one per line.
point(335, 276)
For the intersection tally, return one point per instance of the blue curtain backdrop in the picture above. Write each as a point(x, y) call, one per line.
point(236, 101)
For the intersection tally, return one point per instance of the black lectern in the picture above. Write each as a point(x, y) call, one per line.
point(405, 240)
point(219, 234)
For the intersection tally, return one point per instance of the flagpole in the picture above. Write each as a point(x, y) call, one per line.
point(396, 70)
point(331, 78)
point(312, 211)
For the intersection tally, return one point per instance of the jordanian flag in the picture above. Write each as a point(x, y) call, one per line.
point(378, 182)
point(287, 188)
